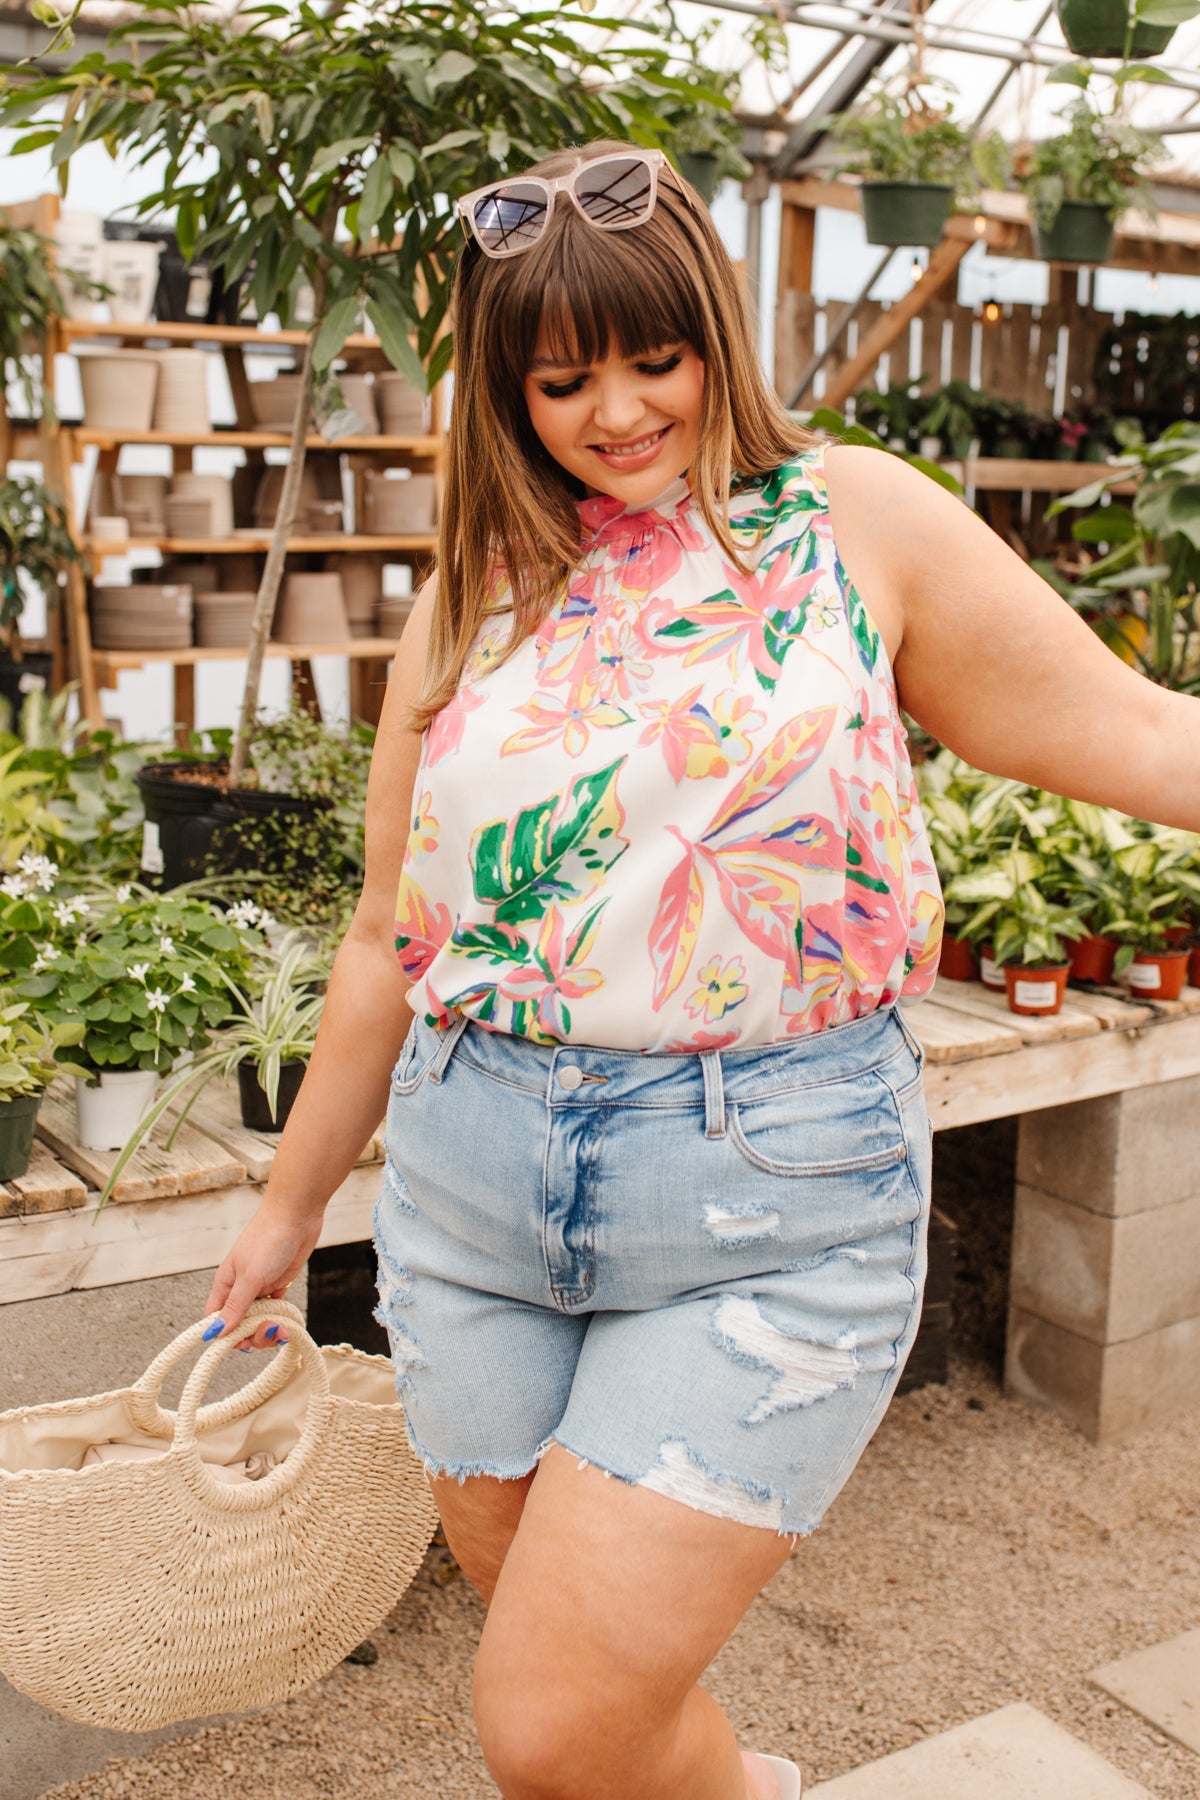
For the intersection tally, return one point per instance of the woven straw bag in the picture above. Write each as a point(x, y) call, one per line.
point(137, 1594)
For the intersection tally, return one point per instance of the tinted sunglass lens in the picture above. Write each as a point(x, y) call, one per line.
point(511, 218)
point(616, 193)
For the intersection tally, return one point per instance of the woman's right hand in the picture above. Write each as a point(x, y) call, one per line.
point(264, 1260)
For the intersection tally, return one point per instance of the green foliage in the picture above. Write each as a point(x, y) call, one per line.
point(26, 824)
point(29, 1049)
point(696, 115)
point(147, 975)
point(29, 297)
point(86, 789)
point(1142, 593)
point(910, 134)
point(1099, 159)
point(833, 424)
point(34, 542)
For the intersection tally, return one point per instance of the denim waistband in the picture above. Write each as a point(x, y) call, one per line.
point(574, 1075)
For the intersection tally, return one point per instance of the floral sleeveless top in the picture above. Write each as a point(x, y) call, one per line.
point(682, 817)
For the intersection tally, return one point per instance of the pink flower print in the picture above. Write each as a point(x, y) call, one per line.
point(701, 1040)
point(681, 726)
point(756, 617)
point(564, 638)
point(538, 992)
point(423, 836)
point(874, 733)
point(422, 927)
point(572, 724)
point(733, 717)
point(445, 731)
point(618, 670)
point(721, 989)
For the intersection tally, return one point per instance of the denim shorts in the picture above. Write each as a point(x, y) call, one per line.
point(700, 1272)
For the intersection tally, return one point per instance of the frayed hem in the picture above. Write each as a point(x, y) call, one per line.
point(437, 1470)
point(792, 1534)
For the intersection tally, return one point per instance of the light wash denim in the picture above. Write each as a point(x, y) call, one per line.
point(700, 1272)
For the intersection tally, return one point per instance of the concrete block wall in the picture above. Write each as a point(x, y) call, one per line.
point(1104, 1308)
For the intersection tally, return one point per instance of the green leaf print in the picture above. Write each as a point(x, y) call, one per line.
point(865, 635)
point(680, 628)
point(491, 941)
point(555, 850)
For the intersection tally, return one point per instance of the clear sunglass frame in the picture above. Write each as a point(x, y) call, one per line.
point(651, 160)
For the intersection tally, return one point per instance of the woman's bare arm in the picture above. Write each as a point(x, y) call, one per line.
point(994, 663)
point(365, 1020)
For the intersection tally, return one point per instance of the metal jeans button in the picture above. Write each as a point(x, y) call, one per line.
point(570, 1077)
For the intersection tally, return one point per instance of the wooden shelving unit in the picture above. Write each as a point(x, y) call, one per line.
point(61, 446)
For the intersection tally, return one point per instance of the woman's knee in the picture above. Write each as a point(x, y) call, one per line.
point(480, 1518)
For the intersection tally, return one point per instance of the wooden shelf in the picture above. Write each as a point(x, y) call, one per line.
point(111, 662)
point(234, 439)
point(260, 541)
point(1013, 475)
point(182, 332)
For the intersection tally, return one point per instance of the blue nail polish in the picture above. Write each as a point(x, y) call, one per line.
point(283, 1340)
point(214, 1330)
point(272, 1331)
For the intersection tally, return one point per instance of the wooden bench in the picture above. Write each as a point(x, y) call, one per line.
point(1104, 1322)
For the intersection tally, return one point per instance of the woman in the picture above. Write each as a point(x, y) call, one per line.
point(651, 1238)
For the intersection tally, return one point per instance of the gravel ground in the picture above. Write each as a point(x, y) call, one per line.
point(983, 1554)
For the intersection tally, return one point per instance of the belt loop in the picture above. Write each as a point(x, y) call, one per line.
point(910, 1037)
point(714, 1094)
point(445, 1050)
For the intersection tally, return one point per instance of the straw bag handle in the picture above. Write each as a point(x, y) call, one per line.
point(255, 1496)
point(155, 1421)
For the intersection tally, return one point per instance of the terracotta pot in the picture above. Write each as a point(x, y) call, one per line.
point(990, 972)
point(1035, 988)
point(118, 389)
point(1092, 959)
point(222, 621)
point(1159, 975)
point(1194, 966)
point(958, 960)
point(1178, 935)
point(400, 506)
point(311, 611)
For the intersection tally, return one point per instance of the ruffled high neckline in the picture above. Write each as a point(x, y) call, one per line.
point(603, 512)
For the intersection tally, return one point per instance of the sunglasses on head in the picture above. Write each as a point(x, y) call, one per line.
point(613, 193)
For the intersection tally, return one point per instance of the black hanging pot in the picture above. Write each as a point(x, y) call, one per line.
point(256, 1108)
point(1099, 28)
point(1082, 233)
point(905, 212)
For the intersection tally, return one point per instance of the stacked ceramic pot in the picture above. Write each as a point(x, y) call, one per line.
point(144, 616)
point(311, 610)
point(78, 251)
point(362, 586)
point(200, 506)
point(273, 403)
point(142, 499)
point(403, 409)
point(391, 616)
point(222, 620)
point(358, 391)
point(181, 404)
point(119, 387)
point(400, 504)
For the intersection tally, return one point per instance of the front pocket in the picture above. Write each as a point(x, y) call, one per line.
point(843, 1128)
point(415, 1059)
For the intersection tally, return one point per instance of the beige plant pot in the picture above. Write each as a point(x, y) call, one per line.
point(403, 409)
point(391, 616)
point(273, 403)
point(131, 271)
point(311, 610)
point(118, 389)
point(400, 505)
point(181, 404)
point(362, 584)
point(358, 391)
point(142, 616)
point(223, 620)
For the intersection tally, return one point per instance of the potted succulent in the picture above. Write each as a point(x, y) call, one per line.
point(29, 1062)
point(915, 160)
point(35, 546)
point(1078, 183)
point(266, 1043)
point(147, 976)
point(1122, 28)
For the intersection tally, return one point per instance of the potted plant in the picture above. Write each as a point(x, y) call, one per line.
point(1151, 908)
point(971, 819)
point(147, 978)
point(915, 160)
point(266, 1044)
point(1122, 28)
point(29, 298)
point(35, 545)
point(29, 1062)
point(1028, 932)
point(1079, 183)
point(954, 413)
point(332, 167)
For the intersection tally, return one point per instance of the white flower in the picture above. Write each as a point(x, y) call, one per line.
point(82, 907)
point(157, 1001)
point(139, 971)
point(166, 946)
point(125, 892)
point(80, 940)
point(187, 985)
point(13, 887)
point(245, 913)
point(46, 955)
point(64, 912)
point(38, 870)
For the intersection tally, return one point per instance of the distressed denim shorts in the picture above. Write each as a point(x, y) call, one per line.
point(700, 1272)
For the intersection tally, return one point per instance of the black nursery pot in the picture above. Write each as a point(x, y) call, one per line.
point(256, 1110)
point(182, 822)
point(18, 679)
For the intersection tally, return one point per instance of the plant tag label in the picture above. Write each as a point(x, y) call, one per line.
point(1035, 993)
point(152, 856)
point(1147, 976)
point(989, 971)
point(199, 295)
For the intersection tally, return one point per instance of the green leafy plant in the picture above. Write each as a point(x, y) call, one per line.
point(29, 1049)
point(29, 298)
point(1099, 159)
point(956, 413)
point(34, 543)
point(906, 131)
point(833, 424)
point(331, 162)
point(147, 975)
point(277, 1011)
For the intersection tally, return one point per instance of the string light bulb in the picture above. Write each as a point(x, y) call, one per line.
point(917, 270)
point(991, 311)
point(980, 224)
point(1152, 284)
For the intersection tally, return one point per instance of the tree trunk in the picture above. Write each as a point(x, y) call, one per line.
point(268, 587)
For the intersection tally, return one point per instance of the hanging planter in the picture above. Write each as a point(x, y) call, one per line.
point(1035, 988)
point(1100, 28)
point(906, 212)
point(1082, 233)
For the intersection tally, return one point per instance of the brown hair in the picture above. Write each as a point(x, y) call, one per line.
point(507, 504)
